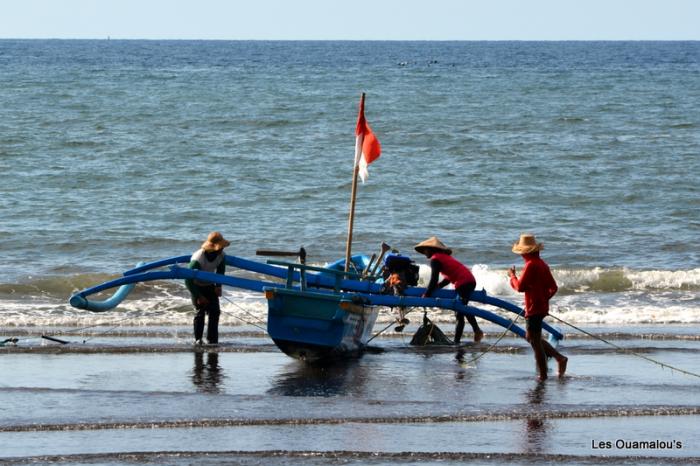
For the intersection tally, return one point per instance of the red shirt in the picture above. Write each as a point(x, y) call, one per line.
point(538, 284)
point(453, 270)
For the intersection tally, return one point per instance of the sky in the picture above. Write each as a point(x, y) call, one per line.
point(352, 19)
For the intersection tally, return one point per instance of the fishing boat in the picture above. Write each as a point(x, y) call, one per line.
point(314, 312)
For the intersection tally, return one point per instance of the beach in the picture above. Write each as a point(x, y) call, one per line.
point(146, 399)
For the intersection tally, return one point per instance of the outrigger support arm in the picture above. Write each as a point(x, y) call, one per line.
point(368, 291)
point(447, 303)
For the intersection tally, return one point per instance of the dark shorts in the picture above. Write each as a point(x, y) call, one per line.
point(534, 323)
point(465, 291)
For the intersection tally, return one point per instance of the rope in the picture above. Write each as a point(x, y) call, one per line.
point(476, 358)
point(380, 332)
point(103, 333)
point(78, 330)
point(625, 350)
point(246, 312)
point(390, 324)
point(493, 345)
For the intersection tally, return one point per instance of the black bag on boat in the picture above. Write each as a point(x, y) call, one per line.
point(401, 267)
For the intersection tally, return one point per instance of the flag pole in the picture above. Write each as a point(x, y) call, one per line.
point(353, 197)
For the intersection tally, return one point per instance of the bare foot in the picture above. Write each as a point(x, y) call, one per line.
point(478, 336)
point(562, 366)
point(541, 378)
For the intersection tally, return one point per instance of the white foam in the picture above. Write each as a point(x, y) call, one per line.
point(673, 314)
point(495, 282)
point(605, 296)
point(664, 279)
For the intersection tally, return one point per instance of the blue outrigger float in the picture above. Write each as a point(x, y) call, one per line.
point(314, 312)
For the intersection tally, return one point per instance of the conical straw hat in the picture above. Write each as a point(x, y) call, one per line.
point(434, 243)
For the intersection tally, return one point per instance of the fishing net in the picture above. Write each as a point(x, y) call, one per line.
point(429, 334)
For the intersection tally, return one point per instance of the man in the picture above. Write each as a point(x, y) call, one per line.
point(442, 262)
point(205, 295)
point(537, 283)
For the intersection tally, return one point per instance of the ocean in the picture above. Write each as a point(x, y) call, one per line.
point(115, 152)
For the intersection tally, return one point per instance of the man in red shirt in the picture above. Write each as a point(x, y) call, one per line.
point(442, 262)
point(537, 283)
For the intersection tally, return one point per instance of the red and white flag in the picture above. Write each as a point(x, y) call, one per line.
point(367, 148)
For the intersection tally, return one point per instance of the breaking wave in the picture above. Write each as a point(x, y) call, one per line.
point(598, 280)
point(591, 295)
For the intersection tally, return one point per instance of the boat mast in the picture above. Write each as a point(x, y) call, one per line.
point(353, 193)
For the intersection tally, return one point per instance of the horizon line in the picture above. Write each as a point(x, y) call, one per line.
point(109, 38)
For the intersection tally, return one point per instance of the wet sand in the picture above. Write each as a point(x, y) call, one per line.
point(137, 397)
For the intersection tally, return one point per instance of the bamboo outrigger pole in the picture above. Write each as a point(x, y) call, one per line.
point(353, 193)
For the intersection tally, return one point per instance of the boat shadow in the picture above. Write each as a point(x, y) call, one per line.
point(327, 379)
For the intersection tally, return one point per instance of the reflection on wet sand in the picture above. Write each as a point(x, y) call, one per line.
point(536, 427)
point(467, 361)
point(338, 378)
point(207, 377)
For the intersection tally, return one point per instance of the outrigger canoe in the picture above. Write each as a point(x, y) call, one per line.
point(315, 312)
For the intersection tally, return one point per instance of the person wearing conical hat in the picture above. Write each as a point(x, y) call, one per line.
point(442, 262)
point(537, 283)
point(205, 295)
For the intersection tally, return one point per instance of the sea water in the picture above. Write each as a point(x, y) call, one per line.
point(117, 152)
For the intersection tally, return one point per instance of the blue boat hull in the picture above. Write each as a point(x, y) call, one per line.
point(318, 326)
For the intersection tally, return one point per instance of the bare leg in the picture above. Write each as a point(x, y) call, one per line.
point(534, 337)
point(552, 353)
point(459, 328)
point(465, 292)
point(540, 358)
point(478, 334)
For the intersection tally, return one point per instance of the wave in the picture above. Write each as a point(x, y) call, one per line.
point(493, 280)
point(60, 286)
point(688, 125)
point(625, 313)
point(572, 120)
point(598, 280)
point(446, 202)
point(587, 295)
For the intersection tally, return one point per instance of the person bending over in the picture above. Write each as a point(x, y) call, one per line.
point(442, 262)
point(205, 295)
